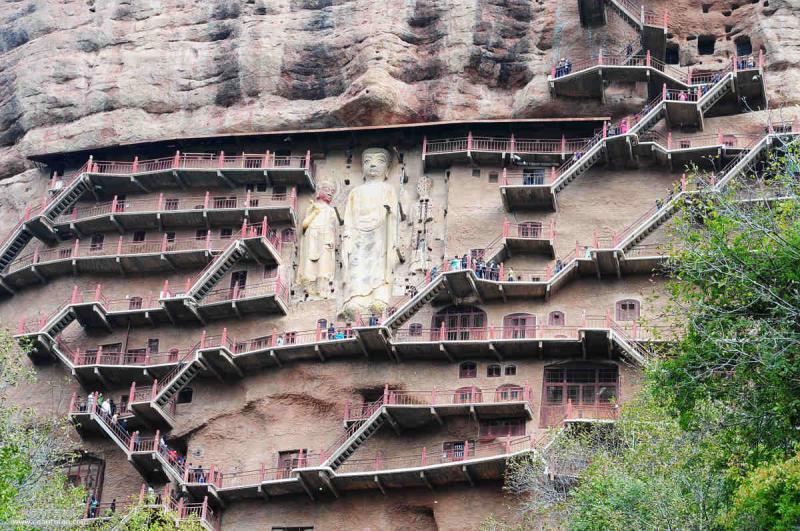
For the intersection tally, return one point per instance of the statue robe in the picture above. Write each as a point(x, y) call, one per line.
point(318, 247)
point(370, 245)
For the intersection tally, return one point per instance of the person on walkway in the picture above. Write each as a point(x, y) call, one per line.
point(628, 50)
point(490, 270)
point(464, 261)
point(559, 265)
point(480, 267)
point(105, 407)
point(331, 331)
point(587, 251)
point(339, 335)
point(279, 341)
point(510, 275)
point(123, 426)
point(113, 506)
point(434, 272)
point(455, 263)
point(93, 507)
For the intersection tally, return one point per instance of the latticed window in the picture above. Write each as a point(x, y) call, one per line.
point(509, 393)
point(460, 322)
point(135, 303)
point(580, 384)
point(287, 235)
point(493, 370)
point(519, 326)
point(465, 395)
point(627, 310)
point(511, 370)
point(415, 329)
point(529, 229)
point(492, 428)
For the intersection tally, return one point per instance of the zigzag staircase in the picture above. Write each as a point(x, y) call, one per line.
point(632, 19)
point(572, 168)
point(412, 306)
point(717, 91)
point(359, 434)
point(15, 243)
point(177, 379)
point(216, 270)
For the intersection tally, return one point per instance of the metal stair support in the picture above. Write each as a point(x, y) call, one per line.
point(587, 160)
point(173, 384)
point(14, 245)
point(423, 297)
point(717, 91)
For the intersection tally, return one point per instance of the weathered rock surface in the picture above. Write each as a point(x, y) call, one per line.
point(85, 73)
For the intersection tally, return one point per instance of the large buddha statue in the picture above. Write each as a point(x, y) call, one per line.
point(369, 242)
point(318, 246)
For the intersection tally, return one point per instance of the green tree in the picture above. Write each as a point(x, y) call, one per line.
point(711, 441)
point(33, 451)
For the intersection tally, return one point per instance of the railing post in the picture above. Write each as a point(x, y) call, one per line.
point(608, 319)
point(505, 177)
point(605, 129)
point(635, 330)
point(433, 397)
point(491, 331)
point(97, 289)
point(719, 137)
point(735, 62)
point(506, 227)
point(244, 228)
point(552, 174)
point(664, 92)
point(135, 167)
point(563, 146)
point(247, 199)
point(553, 71)
point(164, 244)
point(154, 390)
point(187, 285)
point(185, 475)
point(208, 239)
point(176, 162)
point(689, 78)
point(97, 356)
point(119, 245)
point(512, 145)
point(600, 57)
point(75, 248)
point(346, 411)
point(308, 160)
point(669, 140)
point(203, 339)
point(761, 59)
point(424, 146)
point(89, 164)
point(502, 275)
point(160, 201)
point(424, 459)
point(264, 227)
point(132, 442)
point(221, 161)
point(386, 393)
point(683, 182)
point(666, 19)
point(131, 395)
point(141, 494)
point(466, 449)
point(72, 400)
point(114, 204)
point(469, 142)
point(442, 332)
point(74, 297)
point(206, 200)
point(205, 508)
point(262, 473)
point(569, 409)
point(647, 58)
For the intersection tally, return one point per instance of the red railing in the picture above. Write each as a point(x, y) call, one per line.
point(424, 456)
point(502, 145)
point(120, 247)
point(162, 203)
point(505, 393)
point(201, 161)
point(555, 414)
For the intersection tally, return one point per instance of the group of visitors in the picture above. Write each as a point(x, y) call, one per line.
point(345, 332)
point(563, 67)
point(744, 63)
point(93, 507)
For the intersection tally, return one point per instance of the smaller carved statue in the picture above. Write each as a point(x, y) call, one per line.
point(318, 246)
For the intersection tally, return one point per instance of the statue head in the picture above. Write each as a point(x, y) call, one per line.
point(375, 163)
point(325, 191)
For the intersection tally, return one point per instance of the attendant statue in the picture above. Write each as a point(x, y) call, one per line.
point(318, 246)
point(370, 240)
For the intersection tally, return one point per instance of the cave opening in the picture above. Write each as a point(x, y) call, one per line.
point(743, 45)
point(705, 44)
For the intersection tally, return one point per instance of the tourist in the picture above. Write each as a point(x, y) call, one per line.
point(373, 320)
point(480, 266)
point(587, 252)
point(578, 155)
point(89, 402)
point(123, 426)
point(114, 419)
point(105, 407)
point(751, 62)
point(682, 96)
point(567, 66)
point(331, 331)
point(113, 506)
point(560, 68)
point(464, 261)
point(434, 272)
point(339, 334)
point(659, 203)
point(510, 275)
point(623, 127)
point(628, 50)
point(348, 330)
point(93, 507)
point(279, 341)
point(455, 263)
point(559, 266)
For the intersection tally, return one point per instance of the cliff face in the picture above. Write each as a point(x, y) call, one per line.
point(85, 73)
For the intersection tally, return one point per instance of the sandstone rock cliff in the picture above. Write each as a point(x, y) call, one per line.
point(79, 74)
